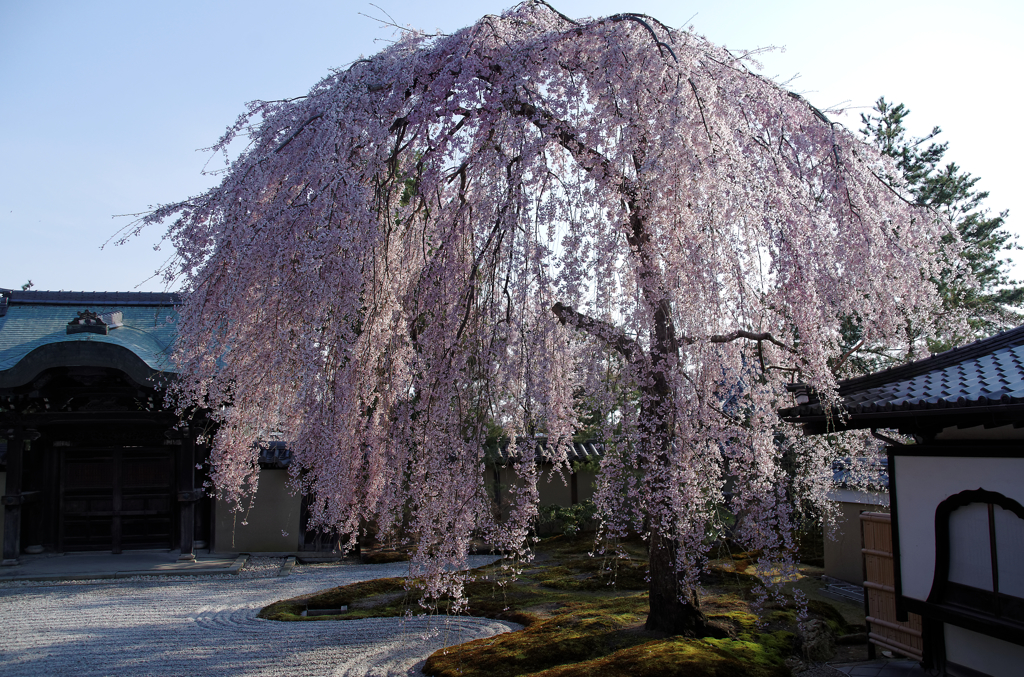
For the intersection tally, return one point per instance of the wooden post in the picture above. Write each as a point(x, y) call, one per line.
point(117, 456)
point(863, 578)
point(12, 497)
point(187, 495)
point(17, 439)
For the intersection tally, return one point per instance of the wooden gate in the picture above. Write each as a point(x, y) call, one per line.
point(114, 499)
point(879, 586)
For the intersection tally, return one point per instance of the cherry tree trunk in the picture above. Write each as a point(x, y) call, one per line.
point(674, 609)
point(674, 604)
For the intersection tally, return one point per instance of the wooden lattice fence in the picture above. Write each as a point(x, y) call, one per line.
point(884, 630)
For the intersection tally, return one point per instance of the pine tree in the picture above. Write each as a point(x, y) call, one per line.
point(996, 300)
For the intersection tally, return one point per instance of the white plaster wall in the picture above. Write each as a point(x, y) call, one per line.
point(585, 481)
point(272, 522)
point(550, 487)
point(983, 653)
point(506, 481)
point(922, 482)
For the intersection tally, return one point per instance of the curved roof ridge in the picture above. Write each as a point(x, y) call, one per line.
point(148, 327)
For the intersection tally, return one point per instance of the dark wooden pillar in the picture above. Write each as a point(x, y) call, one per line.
point(117, 482)
point(17, 438)
point(203, 532)
point(187, 493)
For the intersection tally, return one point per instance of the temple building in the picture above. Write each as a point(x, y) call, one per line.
point(91, 458)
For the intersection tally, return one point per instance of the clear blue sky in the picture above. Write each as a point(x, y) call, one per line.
point(105, 103)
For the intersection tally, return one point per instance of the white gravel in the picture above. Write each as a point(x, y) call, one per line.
point(208, 626)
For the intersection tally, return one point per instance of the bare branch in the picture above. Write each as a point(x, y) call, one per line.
point(741, 334)
point(847, 354)
point(296, 132)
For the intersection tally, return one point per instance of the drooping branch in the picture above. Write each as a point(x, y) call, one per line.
point(845, 356)
point(700, 105)
point(562, 132)
point(639, 18)
point(559, 14)
point(607, 332)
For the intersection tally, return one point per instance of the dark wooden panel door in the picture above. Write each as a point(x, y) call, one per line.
point(147, 497)
point(116, 499)
point(87, 500)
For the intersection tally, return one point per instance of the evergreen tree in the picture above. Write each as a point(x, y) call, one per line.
point(996, 300)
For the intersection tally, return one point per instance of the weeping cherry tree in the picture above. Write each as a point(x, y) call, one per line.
point(521, 224)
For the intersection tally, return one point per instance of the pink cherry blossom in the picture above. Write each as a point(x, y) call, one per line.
point(520, 224)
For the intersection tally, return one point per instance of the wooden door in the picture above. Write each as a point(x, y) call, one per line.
point(117, 499)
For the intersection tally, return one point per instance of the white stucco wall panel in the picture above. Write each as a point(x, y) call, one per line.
point(553, 488)
point(586, 481)
point(843, 558)
point(922, 482)
point(985, 654)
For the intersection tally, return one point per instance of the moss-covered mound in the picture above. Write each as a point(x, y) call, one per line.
point(606, 637)
point(385, 557)
point(679, 657)
point(380, 597)
point(585, 573)
point(584, 615)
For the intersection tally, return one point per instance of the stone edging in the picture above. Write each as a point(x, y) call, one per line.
point(235, 567)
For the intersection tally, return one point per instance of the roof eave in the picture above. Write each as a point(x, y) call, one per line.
point(990, 415)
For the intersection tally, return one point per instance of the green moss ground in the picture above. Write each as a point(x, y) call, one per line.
point(385, 557)
point(584, 615)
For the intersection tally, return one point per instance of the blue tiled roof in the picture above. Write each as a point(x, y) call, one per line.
point(985, 373)
point(35, 319)
point(846, 470)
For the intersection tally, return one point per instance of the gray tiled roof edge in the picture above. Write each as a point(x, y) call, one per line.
point(984, 377)
point(589, 450)
point(943, 360)
point(108, 298)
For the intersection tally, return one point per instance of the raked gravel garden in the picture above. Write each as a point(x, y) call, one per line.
point(209, 626)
